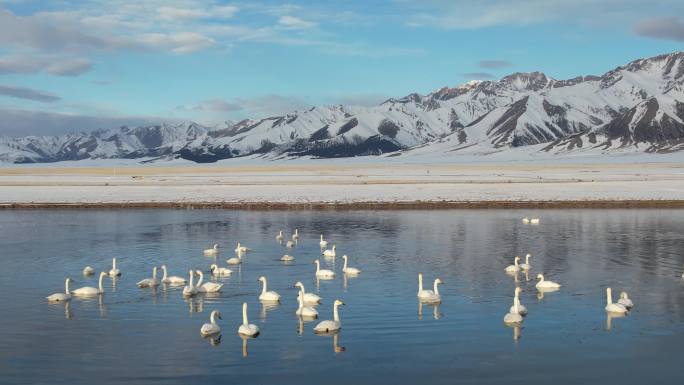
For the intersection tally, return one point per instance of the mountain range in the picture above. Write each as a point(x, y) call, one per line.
point(638, 107)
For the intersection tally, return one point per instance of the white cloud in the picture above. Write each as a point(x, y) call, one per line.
point(54, 65)
point(293, 22)
point(181, 42)
point(28, 94)
point(219, 12)
point(668, 28)
point(69, 67)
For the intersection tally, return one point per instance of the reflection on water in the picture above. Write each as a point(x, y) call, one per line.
point(153, 333)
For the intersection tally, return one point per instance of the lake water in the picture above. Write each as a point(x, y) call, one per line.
point(133, 335)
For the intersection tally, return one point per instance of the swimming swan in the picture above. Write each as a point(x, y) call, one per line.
point(514, 268)
point(295, 236)
point(61, 297)
point(241, 249)
point(89, 290)
point(173, 280)
point(625, 300)
point(220, 271)
point(150, 282)
point(207, 287)
point(290, 244)
point(423, 293)
point(212, 251)
point(545, 284)
point(323, 273)
point(323, 243)
point(432, 296)
point(280, 236)
point(114, 272)
point(526, 265)
point(349, 270)
point(522, 310)
point(330, 326)
point(330, 252)
point(305, 311)
point(88, 271)
point(534, 221)
point(309, 298)
point(212, 327)
point(514, 316)
point(247, 329)
point(526, 220)
point(287, 258)
point(190, 290)
point(267, 296)
point(234, 260)
point(613, 307)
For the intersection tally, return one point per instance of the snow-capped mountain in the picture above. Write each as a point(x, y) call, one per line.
point(639, 106)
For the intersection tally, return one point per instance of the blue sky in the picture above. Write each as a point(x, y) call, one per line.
point(81, 65)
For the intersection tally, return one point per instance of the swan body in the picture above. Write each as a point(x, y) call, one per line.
point(241, 249)
point(295, 236)
point(349, 270)
point(323, 273)
point(173, 280)
point(211, 327)
point(432, 296)
point(526, 265)
point(211, 251)
point(323, 243)
point(305, 311)
point(89, 290)
point(150, 282)
point(220, 271)
point(247, 329)
point(309, 298)
point(290, 244)
point(423, 293)
point(114, 272)
point(514, 316)
point(280, 236)
point(612, 307)
point(207, 287)
point(542, 284)
point(514, 268)
point(287, 258)
point(330, 252)
point(88, 271)
point(534, 221)
point(328, 325)
point(234, 260)
point(61, 297)
point(522, 310)
point(526, 220)
point(267, 296)
point(625, 300)
point(190, 290)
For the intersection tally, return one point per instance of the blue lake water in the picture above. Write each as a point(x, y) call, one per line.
point(133, 335)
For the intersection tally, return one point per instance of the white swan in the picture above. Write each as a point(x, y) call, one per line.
point(323, 273)
point(526, 265)
point(207, 287)
point(522, 310)
point(212, 327)
point(330, 252)
point(220, 271)
point(295, 236)
point(61, 297)
point(534, 221)
point(323, 243)
point(173, 280)
point(88, 271)
point(190, 290)
point(247, 329)
point(212, 251)
point(349, 270)
point(526, 220)
point(542, 284)
point(89, 290)
point(267, 296)
point(514, 268)
point(514, 316)
point(241, 249)
point(287, 258)
point(423, 293)
point(280, 236)
point(290, 244)
point(305, 311)
point(613, 307)
point(328, 325)
point(309, 298)
point(114, 272)
point(150, 282)
point(625, 300)
point(432, 296)
point(234, 260)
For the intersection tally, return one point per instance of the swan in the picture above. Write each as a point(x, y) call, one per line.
point(290, 244)
point(613, 307)
point(89, 290)
point(514, 316)
point(432, 296)
point(220, 271)
point(295, 236)
point(309, 298)
point(625, 300)
point(207, 287)
point(534, 221)
point(349, 270)
point(526, 265)
point(545, 284)
point(323, 273)
point(330, 326)
point(61, 297)
point(241, 249)
point(422, 292)
point(114, 272)
point(267, 296)
point(280, 236)
point(526, 220)
point(173, 280)
point(211, 251)
point(190, 290)
point(330, 252)
point(234, 260)
point(150, 282)
point(287, 258)
point(323, 243)
point(88, 271)
point(247, 329)
point(212, 327)
point(514, 268)
point(305, 311)
point(522, 310)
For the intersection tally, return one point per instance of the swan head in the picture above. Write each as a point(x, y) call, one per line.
point(540, 276)
point(338, 302)
point(345, 257)
point(163, 267)
point(316, 262)
point(103, 274)
point(299, 285)
point(215, 245)
point(623, 295)
point(517, 258)
point(261, 279)
point(518, 290)
point(528, 255)
point(216, 314)
point(438, 281)
point(213, 267)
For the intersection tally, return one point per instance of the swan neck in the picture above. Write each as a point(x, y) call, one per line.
point(244, 314)
point(300, 300)
point(420, 282)
point(515, 307)
point(100, 283)
point(345, 264)
point(201, 278)
point(436, 287)
point(113, 263)
point(66, 286)
point(336, 315)
point(154, 273)
point(264, 287)
point(318, 266)
point(164, 272)
point(609, 296)
point(212, 317)
point(192, 280)
point(301, 287)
